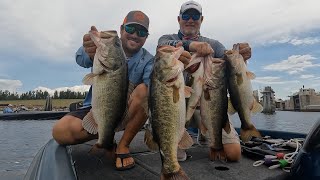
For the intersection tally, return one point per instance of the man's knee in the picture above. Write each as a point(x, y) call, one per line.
point(139, 99)
point(233, 151)
point(64, 130)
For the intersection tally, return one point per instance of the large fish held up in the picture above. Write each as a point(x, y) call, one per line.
point(168, 111)
point(109, 87)
point(214, 104)
point(196, 83)
point(241, 93)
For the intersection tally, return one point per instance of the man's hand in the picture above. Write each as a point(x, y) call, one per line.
point(88, 44)
point(185, 57)
point(245, 51)
point(201, 48)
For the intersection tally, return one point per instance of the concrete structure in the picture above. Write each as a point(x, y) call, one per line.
point(268, 100)
point(280, 104)
point(304, 100)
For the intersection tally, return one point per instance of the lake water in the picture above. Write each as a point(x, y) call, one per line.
point(21, 140)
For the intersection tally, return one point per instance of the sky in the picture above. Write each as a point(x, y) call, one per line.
point(39, 38)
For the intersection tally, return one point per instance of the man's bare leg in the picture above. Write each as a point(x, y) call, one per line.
point(232, 151)
point(137, 118)
point(68, 130)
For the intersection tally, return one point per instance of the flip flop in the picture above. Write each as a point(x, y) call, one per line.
point(124, 156)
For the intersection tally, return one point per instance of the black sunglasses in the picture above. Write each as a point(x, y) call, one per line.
point(132, 29)
point(186, 17)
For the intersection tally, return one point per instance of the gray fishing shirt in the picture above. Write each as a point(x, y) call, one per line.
point(173, 39)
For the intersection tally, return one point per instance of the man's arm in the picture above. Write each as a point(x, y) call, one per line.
point(147, 71)
point(83, 59)
point(169, 40)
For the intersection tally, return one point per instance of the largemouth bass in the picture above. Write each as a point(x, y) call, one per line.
point(214, 104)
point(196, 83)
point(109, 87)
point(168, 111)
point(241, 93)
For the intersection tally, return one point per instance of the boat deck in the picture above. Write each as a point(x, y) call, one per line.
point(148, 164)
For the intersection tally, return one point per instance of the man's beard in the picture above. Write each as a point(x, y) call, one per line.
point(192, 32)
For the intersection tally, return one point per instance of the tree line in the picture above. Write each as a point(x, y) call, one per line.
point(39, 94)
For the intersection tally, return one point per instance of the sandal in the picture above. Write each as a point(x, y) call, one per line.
point(124, 156)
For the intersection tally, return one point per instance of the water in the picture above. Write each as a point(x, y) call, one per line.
point(21, 140)
point(19, 143)
point(299, 122)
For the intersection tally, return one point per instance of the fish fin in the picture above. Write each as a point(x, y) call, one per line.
point(89, 124)
point(247, 134)
point(217, 154)
point(250, 75)
point(179, 175)
point(88, 79)
point(149, 141)
point(239, 78)
point(188, 91)
point(231, 109)
point(256, 107)
point(176, 94)
point(186, 141)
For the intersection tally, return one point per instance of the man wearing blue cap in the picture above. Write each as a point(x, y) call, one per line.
point(134, 32)
point(190, 19)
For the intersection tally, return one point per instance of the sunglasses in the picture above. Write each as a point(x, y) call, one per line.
point(132, 29)
point(186, 17)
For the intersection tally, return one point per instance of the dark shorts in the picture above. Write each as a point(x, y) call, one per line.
point(80, 113)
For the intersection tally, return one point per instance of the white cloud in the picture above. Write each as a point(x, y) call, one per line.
point(297, 41)
point(54, 29)
point(269, 80)
point(307, 76)
point(82, 88)
point(294, 64)
point(307, 41)
point(10, 85)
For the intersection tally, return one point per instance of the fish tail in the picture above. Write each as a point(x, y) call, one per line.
point(148, 139)
point(217, 154)
point(247, 134)
point(180, 175)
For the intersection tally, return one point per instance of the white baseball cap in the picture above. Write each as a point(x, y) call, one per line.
point(190, 5)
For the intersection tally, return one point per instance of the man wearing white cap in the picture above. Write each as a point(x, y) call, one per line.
point(190, 19)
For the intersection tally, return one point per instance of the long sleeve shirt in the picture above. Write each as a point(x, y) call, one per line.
point(139, 68)
point(173, 39)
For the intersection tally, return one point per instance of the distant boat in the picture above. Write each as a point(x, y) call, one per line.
point(75, 161)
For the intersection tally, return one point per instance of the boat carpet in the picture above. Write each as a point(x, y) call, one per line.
point(94, 164)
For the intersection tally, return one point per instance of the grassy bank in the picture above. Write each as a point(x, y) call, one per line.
point(56, 103)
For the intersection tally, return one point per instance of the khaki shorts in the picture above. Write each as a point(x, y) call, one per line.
point(232, 137)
